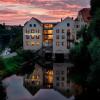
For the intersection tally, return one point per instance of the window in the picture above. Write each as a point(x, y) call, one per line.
point(63, 37)
point(27, 43)
point(62, 78)
point(62, 72)
point(57, 31)
point(77, 26)
point(68, 24)
point(37, 36)
point(57, 84)
point(32, 36)
point(34, 25)
point(57, 78)
point(57, 44)
point(62, 43)
point(57, 73)
point(37, 43)
point(63, 31)
point(62, 84)
point(32, 43)
point(57, 36)
point(30, 25)
point(27, 36)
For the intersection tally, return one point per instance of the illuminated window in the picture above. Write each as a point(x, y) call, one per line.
point(57, 36)
point(32, 36)
point(63, 31)
point(37, 43)
point(50, 36)
point(37, 36)
point(57, 31)
point(27, 36)
point(27, 43)
point(48, 26)
point(57, 44)
point(32, 43)
point(63, 37)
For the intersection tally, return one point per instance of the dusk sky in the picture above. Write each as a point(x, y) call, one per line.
point(19, 11)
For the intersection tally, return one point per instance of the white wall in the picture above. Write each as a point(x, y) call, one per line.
point(37, 42)
point(60, 26)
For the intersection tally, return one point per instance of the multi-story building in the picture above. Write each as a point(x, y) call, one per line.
point(63, 36)
point(32, 35)
point(83, 19)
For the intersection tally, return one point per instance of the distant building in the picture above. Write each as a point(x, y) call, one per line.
point(32, 35)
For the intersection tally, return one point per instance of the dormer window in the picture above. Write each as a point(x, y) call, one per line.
point(30, 25)
point(68, 24)
point(34, 25)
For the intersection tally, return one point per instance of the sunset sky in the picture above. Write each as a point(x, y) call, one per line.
point(18, 11)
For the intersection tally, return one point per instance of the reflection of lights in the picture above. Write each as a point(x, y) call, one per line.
point(49, 75)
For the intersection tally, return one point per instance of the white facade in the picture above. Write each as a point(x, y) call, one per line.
point(61, 76)
point(32, 35)
point(62, 34)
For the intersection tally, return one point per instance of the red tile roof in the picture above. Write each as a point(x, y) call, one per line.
point(85, 12)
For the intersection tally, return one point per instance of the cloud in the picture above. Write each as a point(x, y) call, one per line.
point(45, 10)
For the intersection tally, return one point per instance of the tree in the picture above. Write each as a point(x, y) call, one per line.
point(95, 5)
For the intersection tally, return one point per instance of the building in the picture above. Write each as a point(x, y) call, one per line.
point(48, 33)
point(83, 19)
point(63, 36)
point(32, 35)
point(61, 79)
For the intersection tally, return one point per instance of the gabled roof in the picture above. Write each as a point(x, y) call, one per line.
point(33, 19)
point(85, 12)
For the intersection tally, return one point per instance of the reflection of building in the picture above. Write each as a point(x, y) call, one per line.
point(61, 78)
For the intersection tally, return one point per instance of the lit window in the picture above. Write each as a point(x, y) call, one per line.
point(63, 37)
point(27, 36)
point(50, 36)
point(32, 36)
point(32, 43)
point(68, 24)
point(27, 43)
point(57, 31)
point(57, 44)
point(34, 25)
point(30, 25)
point(37, 43)
point(37, 36)
point(63, 31)
point(57, 36)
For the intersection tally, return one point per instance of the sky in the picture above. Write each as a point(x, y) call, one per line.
point(15, 12)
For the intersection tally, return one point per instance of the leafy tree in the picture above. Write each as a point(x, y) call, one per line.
point(95, 5)
point(94, 49)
